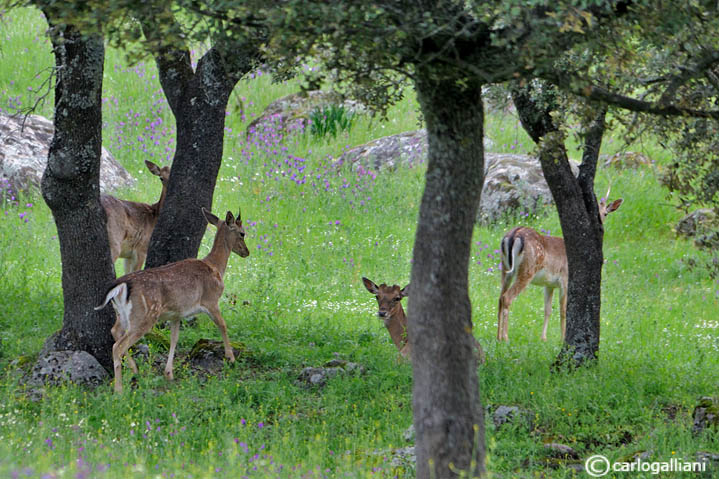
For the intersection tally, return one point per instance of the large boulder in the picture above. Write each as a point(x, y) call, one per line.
point(513, 183)
point(78, 367)
point(389, 152)
point(696, 222)
point(24, 144)
point(292, 112)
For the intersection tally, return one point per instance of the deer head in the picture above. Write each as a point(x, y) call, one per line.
point(232, 229)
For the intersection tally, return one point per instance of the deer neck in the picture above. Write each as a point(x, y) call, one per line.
point(158, 206)
point(397, 327)
point(220, 252)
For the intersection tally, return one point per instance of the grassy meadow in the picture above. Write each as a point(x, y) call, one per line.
point(314, 230)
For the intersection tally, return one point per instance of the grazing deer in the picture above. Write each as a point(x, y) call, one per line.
point(130, 224)
point(529, 257)
point(174, 291)
point(389, 300)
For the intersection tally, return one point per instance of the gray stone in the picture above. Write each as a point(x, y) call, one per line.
point(561, 451)
point(403, 457)
point(292, 113)
point(513, 183)
point(696, 222)
point(409, 434)
point(389, 152)
point(24, 149)
point(314, 376)
point(512, 415)
point(78, 367)
point(706, 414)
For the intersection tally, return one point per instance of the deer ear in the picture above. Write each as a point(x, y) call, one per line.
point(404, 292)
point(239, 216)
point(371, 287)
point(154, 169)
point(229, 218)
point(212, 219)
point(614, 206)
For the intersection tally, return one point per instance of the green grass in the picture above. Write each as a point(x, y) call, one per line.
point(298, 299)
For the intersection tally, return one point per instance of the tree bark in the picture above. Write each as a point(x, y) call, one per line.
point(448, 416)
point(71, 188)
point(579, 218)
point(198, 100)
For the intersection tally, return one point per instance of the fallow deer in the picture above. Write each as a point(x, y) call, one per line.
point(130, 224)
point(389, 300)
point(174, 291)
point(532, 258)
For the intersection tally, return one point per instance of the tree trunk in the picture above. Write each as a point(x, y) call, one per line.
point(579, 217)
point(448, 416)
point(71, 188)
point(198, 100)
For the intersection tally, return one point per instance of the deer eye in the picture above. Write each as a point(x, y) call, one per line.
point(397, 299)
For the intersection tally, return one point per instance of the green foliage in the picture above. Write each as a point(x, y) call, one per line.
point(330, 120)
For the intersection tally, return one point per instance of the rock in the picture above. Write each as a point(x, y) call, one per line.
point(409, 434)
point(403, 457)
point(626, 160)
point(706, 414)
point(78, 367)
point(23, 155)
point(561, 451)
point(511, 415)
point(696, 222)
point(389, 152)
point(292, 112)
point(313, 376)
point(513, 183)
point(208, 355)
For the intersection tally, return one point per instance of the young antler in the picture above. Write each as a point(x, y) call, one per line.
point(174, 291)
point(130, 224)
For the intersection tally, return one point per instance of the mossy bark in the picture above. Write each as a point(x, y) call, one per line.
point(71, 188)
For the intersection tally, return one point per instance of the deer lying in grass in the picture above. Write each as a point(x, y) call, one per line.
point(174, 291)
point(130, 224)
point(529, 257)
point(389, 300)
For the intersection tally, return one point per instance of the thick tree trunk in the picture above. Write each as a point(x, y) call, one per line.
point(448, 416)
point(198, 100)
point(71, 188)
point(579, 217)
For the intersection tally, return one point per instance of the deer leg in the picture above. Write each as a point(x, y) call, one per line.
point(505, 301)
point(216, 316)
point(563, 311)
point(502, 310)
point(174, 336)
point(117, 333)
point(131, 264)
point(548, 292)
point(118, 351)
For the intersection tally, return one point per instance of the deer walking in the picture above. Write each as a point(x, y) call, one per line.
point(389, 300)
point(532, 258)
point(174, 291)
point(130, 224)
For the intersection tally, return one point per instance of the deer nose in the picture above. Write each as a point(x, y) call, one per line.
point(382, 314)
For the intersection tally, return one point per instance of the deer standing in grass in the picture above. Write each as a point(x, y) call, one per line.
point(174, 291)
point(130, 224)
point(389, 300)
point(531, 258)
